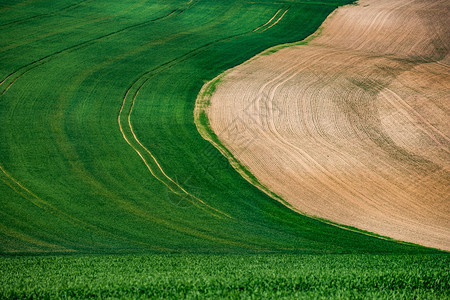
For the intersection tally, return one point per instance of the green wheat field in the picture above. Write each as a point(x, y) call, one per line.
point(107, 190)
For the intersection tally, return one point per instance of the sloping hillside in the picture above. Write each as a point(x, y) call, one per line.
point(353, 126)
point(99, 152)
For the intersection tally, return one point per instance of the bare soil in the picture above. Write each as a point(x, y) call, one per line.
point(354, 126)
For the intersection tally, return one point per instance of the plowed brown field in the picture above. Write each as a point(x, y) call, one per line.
point(354, 126)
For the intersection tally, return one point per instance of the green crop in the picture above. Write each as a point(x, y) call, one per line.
point(99, 151)
point(99, 155)
point(227, 276)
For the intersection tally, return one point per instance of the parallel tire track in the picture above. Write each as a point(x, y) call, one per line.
point(130, 137)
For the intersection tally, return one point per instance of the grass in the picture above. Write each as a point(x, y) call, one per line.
point(193, 276)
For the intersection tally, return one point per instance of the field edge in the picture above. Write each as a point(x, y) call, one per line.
point(201, 121)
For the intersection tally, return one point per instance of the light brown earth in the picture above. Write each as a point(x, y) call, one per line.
point(354, 126)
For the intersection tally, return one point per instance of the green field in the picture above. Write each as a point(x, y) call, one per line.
point(108, 190)
point(353, 276)
point(99, 151)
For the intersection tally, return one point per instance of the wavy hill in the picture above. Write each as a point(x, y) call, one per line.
point(352, 126)
point(99, 152)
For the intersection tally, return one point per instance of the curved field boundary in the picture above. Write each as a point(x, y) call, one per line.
point(24, 192)
point(126, 128)
point(85, 131)
point(202, 103)
point(341, 126)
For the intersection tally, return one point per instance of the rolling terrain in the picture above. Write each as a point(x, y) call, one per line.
point(353, 125)
point(109, 190)
point(99, 151)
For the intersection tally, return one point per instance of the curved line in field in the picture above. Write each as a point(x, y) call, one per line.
point(201, 104)
point(162, 67)
point(47, 14)
point(28, 195)
point(374, 109)
point(46, 35)
point(62, 29)
point(40, 203)
point(157, 163)
point(311, 163)
point(218, 213)
point(23, 70)
point(384, 16)
point(145, 77)
point(443, 64)
point(29, 239)
point(37, 201)
point(15, 5)
point(278, 20)
point(45, 205)
point(270, 20)
point(406, 109)
point(124, 135)
point(28, 67)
